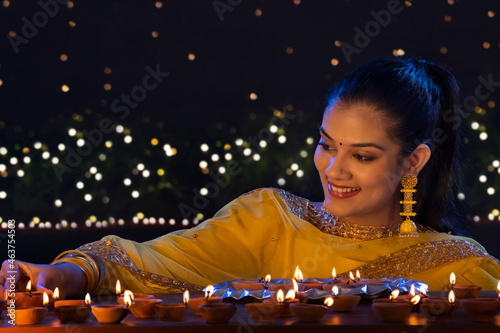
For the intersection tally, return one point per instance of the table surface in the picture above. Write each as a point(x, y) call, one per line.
point(361, 319)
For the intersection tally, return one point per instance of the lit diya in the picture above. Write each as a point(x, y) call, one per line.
point(194, 303)
point(112, 313)
point(31, 315)
point(343, 303)
point(464, 291)
point(173, 311)
point(284, 302)
point(29, 298)
point(73, 313)
point(392, 310)
point(439, 308)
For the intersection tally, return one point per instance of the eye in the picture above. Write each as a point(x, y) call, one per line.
point(362, 158)
point(327, 147)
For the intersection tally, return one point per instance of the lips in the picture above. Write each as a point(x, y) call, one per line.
point(343, 192)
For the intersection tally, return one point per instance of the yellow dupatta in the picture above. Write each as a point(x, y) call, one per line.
point(269, 231)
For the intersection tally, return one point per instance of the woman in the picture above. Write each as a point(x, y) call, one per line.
point(386, 122)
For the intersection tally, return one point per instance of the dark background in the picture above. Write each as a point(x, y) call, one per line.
point(282, 51)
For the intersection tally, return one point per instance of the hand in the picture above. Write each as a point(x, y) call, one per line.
point(68, 277)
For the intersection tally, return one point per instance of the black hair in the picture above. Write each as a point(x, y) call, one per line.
point(420, 101)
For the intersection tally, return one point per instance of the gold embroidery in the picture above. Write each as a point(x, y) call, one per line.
point(418, 258)
point(330, 224)
point(111, 251)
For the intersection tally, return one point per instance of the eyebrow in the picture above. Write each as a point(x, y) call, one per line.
point(359, 145)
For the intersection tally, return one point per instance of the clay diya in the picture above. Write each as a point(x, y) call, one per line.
point(195, 303)
point(284, 302)
point(136, 296)
point(30, 315)
point(312, 285)
point(464, 291)
point(171, 311)
point(392, 310)
point(217, 313)
point(263, 312)
point(144, 307)
point(72, 313)
point(439, 308)
point(110, 313)
point(30, 298)
point(69, 302)
point(343, 303)
point(308, 312)
point(481, 309)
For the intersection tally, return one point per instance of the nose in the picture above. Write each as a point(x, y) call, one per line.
point(338, 168)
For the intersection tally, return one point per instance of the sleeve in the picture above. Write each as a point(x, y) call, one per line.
point(233, 244)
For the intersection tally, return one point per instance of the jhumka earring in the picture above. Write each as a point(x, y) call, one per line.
point(408, 227)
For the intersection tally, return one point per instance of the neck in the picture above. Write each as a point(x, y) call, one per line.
point(385, 218)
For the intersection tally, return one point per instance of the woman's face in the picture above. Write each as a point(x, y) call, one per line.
point(358, 165)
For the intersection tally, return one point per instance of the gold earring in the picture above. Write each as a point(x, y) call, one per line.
point(408, 227)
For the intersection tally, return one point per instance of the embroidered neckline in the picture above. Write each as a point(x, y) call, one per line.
point(330, 224)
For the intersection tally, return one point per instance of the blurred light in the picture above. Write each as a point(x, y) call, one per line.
point(289, 50)
point(474, 125)
point(256, 157)
point(160, 172)
point(476, 218)
point(3, 151)
point(64, 88)
point(185, 222)
point(238, 142)
point(247, 152)
point(171, 222)
point(482, 179)
point(490, 190)
point(98, 177)
point(127, 182)
point(61, 147)
point(334, 62)
point(300, 173)
point(203, 164)
point(13, 160)
point(483, 136)
point(215, 157)
point(109, 144)
point(262, 144)
point(3, 167)
point(258, 12)
point(3, 194)
point(460, 196)
point(58, 203)
point(140, 166)
point(253, 96)
point(222, 170)
point(93, 170)
point(204, 147)
point(281, 182)
point(158, 4)
point(295, 166)
point(119, 129)
point(135, 194)
point(228, 156)
point(72, 132)
point(191, 56)
point(55, 160)
point(273, 129)
point(145, 173)
point(282, 139)
point(37, 145)
point(154, 34)
point(491, 217)
point(80, 142)
point(88, 197)
point(45, 155)
point(79, 185)
point(495, 163)
point(303, 154)
point(203, 191)
point(127, 139)
point(20, 173)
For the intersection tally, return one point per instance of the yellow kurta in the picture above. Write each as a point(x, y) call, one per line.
point(267, 231)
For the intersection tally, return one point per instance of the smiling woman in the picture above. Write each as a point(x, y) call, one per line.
point(376, 139)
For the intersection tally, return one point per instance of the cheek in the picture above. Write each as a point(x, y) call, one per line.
point(319, 161)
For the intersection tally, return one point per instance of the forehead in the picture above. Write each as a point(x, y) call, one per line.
point(355, 123)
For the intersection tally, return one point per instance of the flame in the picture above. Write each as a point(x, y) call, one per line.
point(185, 296)
point(415, 300)
point(334, 273)
point(329, 301)
point(394, 294)
point(127, 298)
point(295, 285)
point(357, 275)
point(87, 299)
point(452, 278)
point(118, 287)
point(129, 294)
point(298, 274)
point(290, 294)
point(498, 287)
point(268, 278)
point(209, 290)
point(280, 296)
point(451, 297)
point(56, 294)
point(351, 276)
point(45, 299)
point(412, 290)
point(28, 286)
point(335, 290)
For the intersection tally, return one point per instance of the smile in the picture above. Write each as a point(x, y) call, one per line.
point(343, 192)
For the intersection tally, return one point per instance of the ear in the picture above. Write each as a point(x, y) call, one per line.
point(417, 160)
